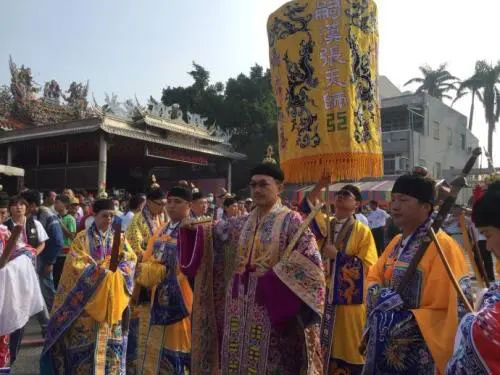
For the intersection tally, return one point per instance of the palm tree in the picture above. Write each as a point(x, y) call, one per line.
point(489, 76)
point(435, 82)
point(472, 85)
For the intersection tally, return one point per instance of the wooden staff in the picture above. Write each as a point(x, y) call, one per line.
point(454, 281)
point(11, 245)
point(115, 252)
point(469, 248)
point(329, 238)
point(479, 257)
point(302, 228)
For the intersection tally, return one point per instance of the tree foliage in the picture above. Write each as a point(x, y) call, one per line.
point(244, 106)
point(435, 82)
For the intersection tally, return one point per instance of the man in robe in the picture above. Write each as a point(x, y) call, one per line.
point(168, 329)
point(259, 292)
point(348, 252)
point(413, 332)
point(87, 332)
point(477, 345)
point(142, 234)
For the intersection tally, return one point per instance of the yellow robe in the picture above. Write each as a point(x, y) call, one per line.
point(350, 319)
point(147, 342)
point(437, 315)
point(140, 235)
point(176, 337)
point(97, 328)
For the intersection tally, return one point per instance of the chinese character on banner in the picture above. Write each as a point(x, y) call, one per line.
point(332, 33)
point(335, 101)
point(333, 78)
point(327, 9)
point(331, 55)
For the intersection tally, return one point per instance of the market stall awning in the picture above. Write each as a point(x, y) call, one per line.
point(377, 190)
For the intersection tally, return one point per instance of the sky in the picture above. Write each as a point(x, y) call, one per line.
point(131, 47)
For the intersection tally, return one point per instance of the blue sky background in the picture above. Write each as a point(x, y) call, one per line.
point(138, 47)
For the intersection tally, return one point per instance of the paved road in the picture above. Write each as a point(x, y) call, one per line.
point(27, 362)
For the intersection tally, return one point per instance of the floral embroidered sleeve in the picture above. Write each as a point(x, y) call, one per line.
point(296, 284)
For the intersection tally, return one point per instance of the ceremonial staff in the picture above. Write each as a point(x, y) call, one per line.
point(470, 245)
point(457, 184)
point(454, 281)
point(11, 245)
point(115, 252)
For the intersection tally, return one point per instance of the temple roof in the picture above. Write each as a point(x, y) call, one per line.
point(25, 115)
point(128, 129)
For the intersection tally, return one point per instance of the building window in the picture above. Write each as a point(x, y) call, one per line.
point(450, 137)
point(462, 139)
point(438, 170)
point(389, 165)
point(435, 130)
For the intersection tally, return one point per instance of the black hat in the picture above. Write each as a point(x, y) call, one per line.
point(354, 190)
point(181, 192)
point(416, 186)
point(485, 211)
point(198, 195)
point(155, 193)
point(268, 169)
point(229, 201)
point(103, 204)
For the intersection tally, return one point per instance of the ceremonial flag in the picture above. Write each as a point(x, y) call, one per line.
point(323, 57)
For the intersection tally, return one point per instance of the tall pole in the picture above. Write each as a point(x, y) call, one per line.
point(229, 176)
point(103, 161)
point(9, 155)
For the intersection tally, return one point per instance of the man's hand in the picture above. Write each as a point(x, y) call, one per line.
point(330, 251)
point(316, 192)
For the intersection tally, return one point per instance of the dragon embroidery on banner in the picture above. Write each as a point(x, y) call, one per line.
point(361, 17)
point(300, 80)
point(294, 23)
point(300, 74)
point(362, 77)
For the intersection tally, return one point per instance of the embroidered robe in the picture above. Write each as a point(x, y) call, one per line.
point(140, 235)
point(345, 312)
point(87, 331)
point(257, 308)
point(414, 333)
point(477, 344)
point(168, 334)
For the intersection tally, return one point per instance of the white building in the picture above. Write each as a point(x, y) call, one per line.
point(420, 130)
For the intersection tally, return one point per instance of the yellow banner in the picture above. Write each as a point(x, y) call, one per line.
point(323, 57)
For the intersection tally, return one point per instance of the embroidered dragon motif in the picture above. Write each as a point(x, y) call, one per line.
point(349, 275)
point(301, 80)
point(295, 22)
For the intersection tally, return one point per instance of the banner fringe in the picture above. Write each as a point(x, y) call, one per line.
point(340, 166)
